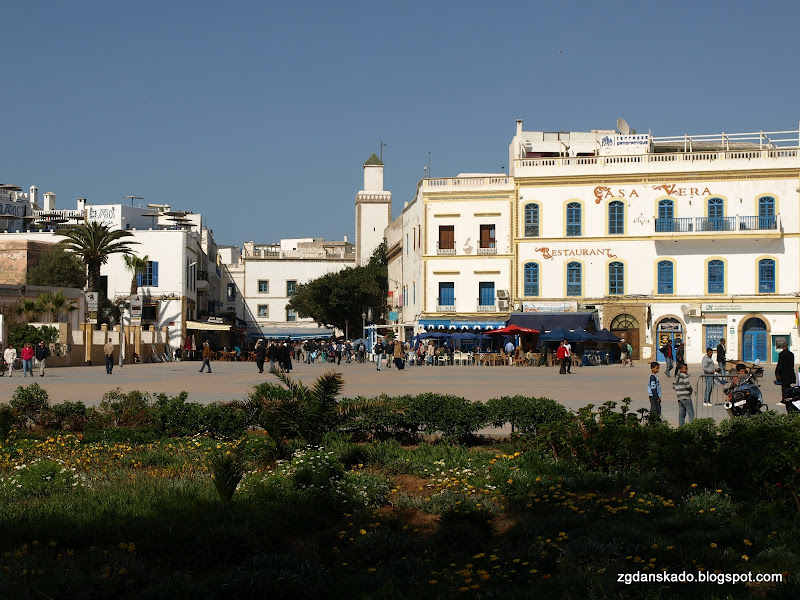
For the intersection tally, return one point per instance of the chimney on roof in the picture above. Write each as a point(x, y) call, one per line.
point(519, 126)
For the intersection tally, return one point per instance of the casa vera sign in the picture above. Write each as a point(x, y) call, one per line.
point(670, 189)
point(550, 253)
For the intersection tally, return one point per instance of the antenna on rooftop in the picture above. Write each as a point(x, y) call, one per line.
point(382, 147)
point(623, 127)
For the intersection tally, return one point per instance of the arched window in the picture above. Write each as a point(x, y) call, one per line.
point(531, 220)
point(573, 219)
point(616, 217)
point(766, 213)
point(574, 279)
point(616, 278)
point(766, 276)
point(666, 216)
point(665, 277)
point(716, 215)
point(716, 277)
point(531, 279)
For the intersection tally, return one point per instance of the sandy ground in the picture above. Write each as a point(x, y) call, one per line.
point(234, 380)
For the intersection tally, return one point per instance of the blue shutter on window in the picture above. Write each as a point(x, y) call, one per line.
point(139, 280)
point(155, 273)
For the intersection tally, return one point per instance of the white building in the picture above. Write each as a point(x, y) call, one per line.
point(692, 238)
point(182, 282)
point(270, 274)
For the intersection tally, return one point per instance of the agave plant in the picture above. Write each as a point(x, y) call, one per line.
point(295, 411)
point(227, 470)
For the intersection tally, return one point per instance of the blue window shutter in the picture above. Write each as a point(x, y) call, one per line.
point(139, 280)
point(155, 273)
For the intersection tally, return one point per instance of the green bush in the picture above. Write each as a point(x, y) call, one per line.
point(31, 405)
point(455, 418)
point(120, 409)
point(20, 334)
point(761, 452)
point(378, 417)
point(222, 420)
point(70, 416)
point(525, 415)
point(7, 421)
point(173, 416)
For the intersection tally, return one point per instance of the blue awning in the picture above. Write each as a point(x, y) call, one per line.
point(292, 334)
point(549, 321)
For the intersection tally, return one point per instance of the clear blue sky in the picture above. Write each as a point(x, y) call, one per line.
point(259, 114)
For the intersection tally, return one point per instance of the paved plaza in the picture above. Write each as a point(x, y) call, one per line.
point(233, 380)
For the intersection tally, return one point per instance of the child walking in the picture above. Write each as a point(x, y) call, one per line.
point(683, 389)
point(654, 390)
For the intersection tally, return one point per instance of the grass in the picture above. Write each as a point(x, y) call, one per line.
point(104, 516)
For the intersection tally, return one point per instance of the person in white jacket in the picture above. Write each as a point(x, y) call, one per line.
point(10, 355)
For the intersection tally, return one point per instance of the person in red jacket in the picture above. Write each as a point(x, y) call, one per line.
point(27, 359)
point(563, 356)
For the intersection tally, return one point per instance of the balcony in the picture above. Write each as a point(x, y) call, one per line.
point(446, 249)
point(444, 305)
point(490, 250)
point(483, 305)
point(714, 224)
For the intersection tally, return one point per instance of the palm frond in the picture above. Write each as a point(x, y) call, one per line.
point(327, 387)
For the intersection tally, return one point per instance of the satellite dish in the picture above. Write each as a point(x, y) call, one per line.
point(623, 127)
point(684, 308)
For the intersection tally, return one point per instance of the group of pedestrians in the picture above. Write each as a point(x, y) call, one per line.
point(279, 354)
point(27, 354)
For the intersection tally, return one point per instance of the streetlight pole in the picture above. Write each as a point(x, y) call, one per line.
point(346, 336)
point(364, 326)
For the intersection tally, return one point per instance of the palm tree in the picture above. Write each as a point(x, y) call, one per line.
point(30, 310)
point(56, 304)
point(137, 266)
point(93, 242)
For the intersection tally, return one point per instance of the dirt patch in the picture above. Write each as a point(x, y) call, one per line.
point(417, 487)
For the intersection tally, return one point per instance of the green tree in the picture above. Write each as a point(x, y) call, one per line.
point(338, 297)
point(93, 243)
point(29, 310)
point(56, 304)
point(21, 333)
point(136, 266)
point(58, 268)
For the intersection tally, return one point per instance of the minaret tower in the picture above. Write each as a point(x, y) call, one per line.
point(373, 211)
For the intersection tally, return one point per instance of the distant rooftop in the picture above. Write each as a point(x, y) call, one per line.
point(373, 160)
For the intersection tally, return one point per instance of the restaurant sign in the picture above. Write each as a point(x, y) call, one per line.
point(550, 253)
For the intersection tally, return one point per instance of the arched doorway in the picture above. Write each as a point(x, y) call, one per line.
point(626, 326)
point(668, 330)
point(754, 340)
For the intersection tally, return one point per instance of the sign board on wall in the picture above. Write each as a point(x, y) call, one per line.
point(92, 299)
point(565, 306)
point(136, 309)
point(754, 307)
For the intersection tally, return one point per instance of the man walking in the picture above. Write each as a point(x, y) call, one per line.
point(784, 370)
point(260, 353)
point(42, 352)
point(561, 355)
point(10, 355)
point(379, 349)
point(206, 357)
point(108, 350)
point(721, 361)
point(666, 350)
point(708, 371)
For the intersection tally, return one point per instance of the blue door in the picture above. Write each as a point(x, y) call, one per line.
point(669, 330)
point(754, 340)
